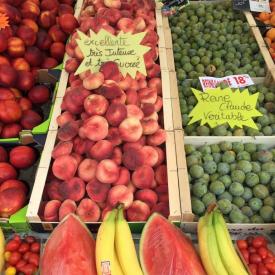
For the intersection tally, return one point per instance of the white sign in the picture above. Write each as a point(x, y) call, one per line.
point(259, 6)
point(232, 81)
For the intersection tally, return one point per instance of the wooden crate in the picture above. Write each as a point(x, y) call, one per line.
point(191, 226)
point(171, 160)
point(250, 19)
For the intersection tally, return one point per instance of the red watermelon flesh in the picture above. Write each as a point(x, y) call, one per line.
point(70, 250)
point(165, 250)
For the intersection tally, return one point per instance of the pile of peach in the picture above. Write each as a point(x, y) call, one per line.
point(13, 192)
point(111, 142)
point(37, 33)
point(20, 101)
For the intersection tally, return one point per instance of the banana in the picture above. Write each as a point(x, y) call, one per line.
point(125, 247)
point(229, 256)
point(105, 247)
point(208, 247)
point(2, 249)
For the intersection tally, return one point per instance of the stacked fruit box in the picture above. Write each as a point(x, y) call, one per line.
point(174, 211)
point(196, 136)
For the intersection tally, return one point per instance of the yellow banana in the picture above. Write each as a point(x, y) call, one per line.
point(2, 249)
point(125, 247)
point(105, 247)
point(229, 256)
point(208, 247)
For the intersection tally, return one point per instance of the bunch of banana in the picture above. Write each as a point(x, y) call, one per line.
point(217, 252)
point(115, 248)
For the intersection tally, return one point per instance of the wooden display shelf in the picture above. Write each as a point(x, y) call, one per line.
point(171, 159)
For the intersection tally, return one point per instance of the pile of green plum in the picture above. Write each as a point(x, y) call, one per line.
point(214, 40)
point(265, 123)
point(239, 177)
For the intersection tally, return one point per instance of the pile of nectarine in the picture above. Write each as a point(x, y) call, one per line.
point(20, 101)
point(37, 33)
point(110, 147)
point(13, 191)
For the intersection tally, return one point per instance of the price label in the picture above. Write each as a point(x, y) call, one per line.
point(252, 5)
point(172, 6)
point(232, 81)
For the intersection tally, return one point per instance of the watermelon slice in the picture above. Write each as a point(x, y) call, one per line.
point(165, 250)
point(70, 250)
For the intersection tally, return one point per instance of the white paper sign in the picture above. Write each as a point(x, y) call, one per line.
point(233, 81)
point(259, 6)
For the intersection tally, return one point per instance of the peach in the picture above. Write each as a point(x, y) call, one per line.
point(158, 104)
point(107, 171)
point(51, 211)
point(161, 175)
point(124, 177)
point(88, 211)
point(57, 50)
point(148, 109)
point(88, 145)
point(96, 104)
point(116, 4)
point(116, 113)
point(131, 187)
point(157, 138)
point(149, 126)
point(132, 97)
point(140, 24)
point(49, 63)
point(52, 190)
point(4, 61)
point(27, 34)
point(154, 71)
point(150, 155)
point(44, 40)
point(3, 42)
point(33, 56)
point(30, 119)
point(10, 111)
point(161, 156)
point(62, 148)
point(7, 172)
point(30, 10)
point(162, 208)
point(46, 19)
point(95, 128)
point(77, 157)
point(8, 184)
point(120, 99)
point(147, 95)
point(69, 48)
point(40, 94)
point(117, 155)
point(142, 84)
point(130, 129)
point(67, 207)
point(125, 83)
point(64, 118)
point(150, 37)
point(65, 9)
point(68, 23)
point(51, 5)
point(11, 130)
point(102, 149)
point(73, 189)
point(126, 25)
point(87, 169)
point(22, 157)
point(30, 23)
point(148, 196)
point(143, 177)
point(56, 34)
point(71, 65)
point(113, 136)
point(111, 15)
point(153, 116)
point(68, 131)
point(6, 94)
point(16, 47)
point(85, 74)
point(93, 81)
point(110, 71)
point(120, 194)
point(133, 158)
point(138, 211)
point(3, 154)
point(110, 89)
point(64, 167)
point(97, 191)
point(20, 64)
point(12, 12)
point(138, 144)
point(134, 111)
point(25, 80)
point(78, 53)
point(79, 145)
point(155, 83)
